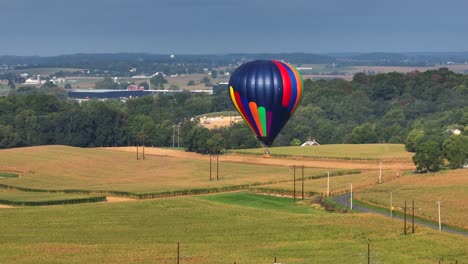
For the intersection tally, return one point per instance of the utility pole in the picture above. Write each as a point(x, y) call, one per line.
point(178, 252)
point(294, 191)
point(178, 135)
point(412, 219)
point(217, 167)
point(440, 225)
point(380, 173)
point(210, 166)
point(328, 184)
point(351, 199)
point(173, 135)
point(391, 204)
point(143, 146)
point(405, 220)
point(302, 182)
point(137, 150)
point(368, 251)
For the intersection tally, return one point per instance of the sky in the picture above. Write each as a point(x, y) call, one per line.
point(54, 27)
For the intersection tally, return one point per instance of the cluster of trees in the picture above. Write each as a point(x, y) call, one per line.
point(381, 108)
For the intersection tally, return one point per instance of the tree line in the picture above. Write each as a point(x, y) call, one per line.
point(411, 108)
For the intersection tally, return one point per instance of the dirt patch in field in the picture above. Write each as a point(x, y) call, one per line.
point(251, 159)
point(5, 206)
point(219, 121)
point(114, 199)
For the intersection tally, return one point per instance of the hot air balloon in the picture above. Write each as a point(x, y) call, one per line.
point(266, 93)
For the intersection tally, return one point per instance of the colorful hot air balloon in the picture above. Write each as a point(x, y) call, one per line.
point(266, 93)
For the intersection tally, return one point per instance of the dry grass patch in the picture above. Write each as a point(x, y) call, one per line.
point(448, 187)
point(60, 167)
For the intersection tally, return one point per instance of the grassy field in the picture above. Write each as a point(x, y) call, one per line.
point(224, 228)
point(44, 71)
point(61, 167)
point(448, 187)
point(339, 151)
point(338, 184)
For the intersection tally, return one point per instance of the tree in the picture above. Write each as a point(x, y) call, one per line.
point(191, 83)
point(8, 137)
point(158, 80)
point(295, 142)
point(196, 139)
point(216, 143)
point(414, 138)
point(145, 85)
point(26, 126)
point(428, 157)
point(68, 86)
point(214, 74)
point(456, 150)
point(364, 133)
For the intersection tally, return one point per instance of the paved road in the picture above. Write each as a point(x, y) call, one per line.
point(343, 200)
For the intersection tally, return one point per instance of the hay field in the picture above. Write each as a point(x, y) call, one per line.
point(340, 151)
point(338, 184)
point(237, 227)
point(17, 196)
point(61, 167)
point(448, 187)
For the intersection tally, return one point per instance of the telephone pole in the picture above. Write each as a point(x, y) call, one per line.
point(412, 219)
point(440, 225)
point(294, 190)
point(380, 173)
point(405, 220)
point(391, 204)
point(328, 184)
point(351, 199)
point(302, 182)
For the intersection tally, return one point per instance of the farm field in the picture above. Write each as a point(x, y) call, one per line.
point(338, 184)
point(18, 196)
point(44, 71)
point(61, 167)
point(239, 227)
point(339, 151)
point(448, 187)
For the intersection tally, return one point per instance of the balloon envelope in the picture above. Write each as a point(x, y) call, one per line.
point(266, 93)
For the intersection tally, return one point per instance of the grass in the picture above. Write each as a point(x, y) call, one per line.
point(44, 71)
point(448, 187)
point(60, 167)
point(37, 196)
point(8, 175)
point(340, 183)
point(260, 201)
point(338, 151)
point(4, 90)
point(246, 229)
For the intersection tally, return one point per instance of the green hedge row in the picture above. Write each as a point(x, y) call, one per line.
point(198, 191)
point(8, 175)
point(54, 202)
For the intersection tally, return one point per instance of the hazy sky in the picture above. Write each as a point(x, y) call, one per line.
point(52, 27)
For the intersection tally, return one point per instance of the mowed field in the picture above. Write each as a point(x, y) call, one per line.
point(61, 167)
point(338, 183)
point(226, 228)
point(239, 227)
point(339, 151)
point(448, 187)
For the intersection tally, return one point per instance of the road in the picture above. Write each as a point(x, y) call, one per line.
point(343, 200)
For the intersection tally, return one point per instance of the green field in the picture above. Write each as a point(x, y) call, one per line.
point(237, 227)
point(338, 151)
point(448, 187)
point(44, 71)
point(60, 167)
